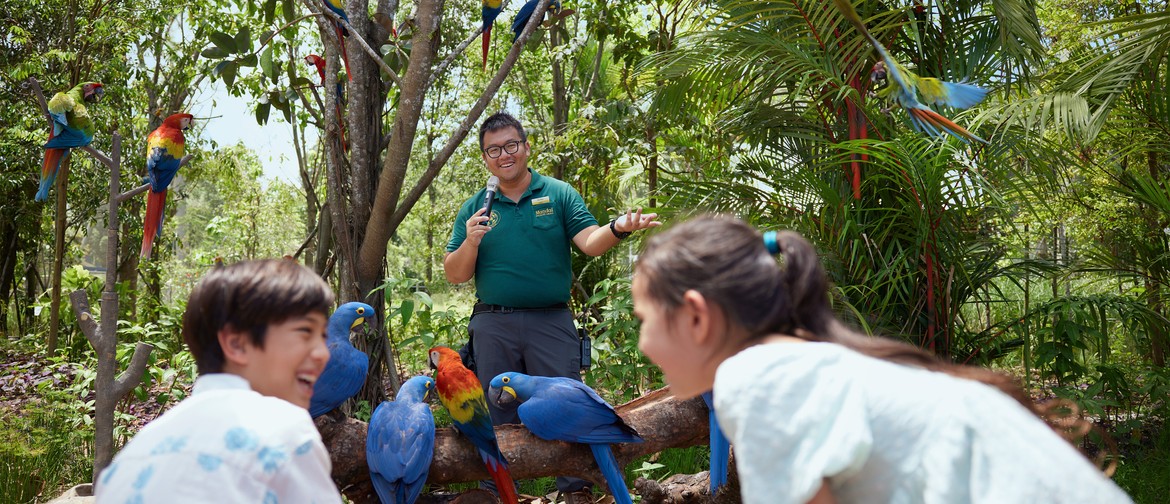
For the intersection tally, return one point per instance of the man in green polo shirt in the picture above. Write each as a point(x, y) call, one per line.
point(519, 257)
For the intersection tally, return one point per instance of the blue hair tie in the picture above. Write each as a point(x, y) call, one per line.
point(770, 242)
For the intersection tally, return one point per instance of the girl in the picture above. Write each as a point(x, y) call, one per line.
point(819, 413)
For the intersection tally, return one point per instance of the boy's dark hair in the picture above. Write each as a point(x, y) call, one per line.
point(248, 296)
point(499, 121)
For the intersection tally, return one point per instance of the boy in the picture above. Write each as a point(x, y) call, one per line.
point(257, 331)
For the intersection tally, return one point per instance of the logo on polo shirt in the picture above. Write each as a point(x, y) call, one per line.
point(495, 218)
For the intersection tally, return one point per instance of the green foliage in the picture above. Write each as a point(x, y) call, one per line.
point(42, 452)
point(620, 372)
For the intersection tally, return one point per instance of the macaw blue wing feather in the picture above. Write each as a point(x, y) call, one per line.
point(400, 443)
point(720, 447)
point(346, 370)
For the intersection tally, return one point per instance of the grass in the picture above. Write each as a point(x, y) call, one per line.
point(42, 454)
point(1145, 474)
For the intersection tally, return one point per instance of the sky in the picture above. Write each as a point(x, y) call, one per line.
point(231, 119)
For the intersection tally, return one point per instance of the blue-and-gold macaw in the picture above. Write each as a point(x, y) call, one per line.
point(401, 442)
point(72, 127)
point(720, 447)
point(564, 409)
point(489, 13)
point(338, 7)
point(462, 395)
point(165, 147)
point(346, 370)
point(525, 13)
point(904, 88)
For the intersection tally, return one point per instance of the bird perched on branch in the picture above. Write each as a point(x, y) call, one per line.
point(564, 409)
point(339, 96)
point(165, 147)
point(400, 442)
point(72, 127)
point(462, 395)
point(338, 7)
point(346, 370)
point(904, 87)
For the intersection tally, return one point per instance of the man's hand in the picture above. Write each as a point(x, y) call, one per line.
point(476, 228)
point(635, 220)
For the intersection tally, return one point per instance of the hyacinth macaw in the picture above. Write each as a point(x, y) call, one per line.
point(401, 442)
point(490, 11)
point(338, 7)
point(904, 88)
point(164, 154)
point(346, 370)
point(72, 127)
point(339, 95)
point(526, 11)
point(462, 394)
point(720, 447)
point(564, 409)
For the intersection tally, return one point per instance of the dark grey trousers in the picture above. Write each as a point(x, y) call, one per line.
point(538, 343)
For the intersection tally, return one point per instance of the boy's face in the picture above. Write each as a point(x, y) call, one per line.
point(669, 341)
point(293, 357)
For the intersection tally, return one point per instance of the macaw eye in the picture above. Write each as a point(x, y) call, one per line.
point(361, 311)
point(506, 379)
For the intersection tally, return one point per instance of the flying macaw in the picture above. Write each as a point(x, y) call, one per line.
point(339, 96)
point(401, 442)
point(462, 395)
point(904, 87)
point(720, 447)
point(564, 409)
point(526, 11)
point(338, 7)
point(489, 12)
point(72, 127)
point(346, 370)
point(164, 154)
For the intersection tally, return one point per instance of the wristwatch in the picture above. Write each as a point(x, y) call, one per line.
point(621, 235)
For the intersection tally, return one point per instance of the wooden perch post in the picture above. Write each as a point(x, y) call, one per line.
point(103, 337)
point(663, 421)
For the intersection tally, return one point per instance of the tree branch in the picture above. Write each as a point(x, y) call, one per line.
point(360, 40)
point(132, 376)
point(403, 208)
point(79, 301)
point(662, 421)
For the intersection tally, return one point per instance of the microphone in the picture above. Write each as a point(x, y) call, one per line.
point(489, 196)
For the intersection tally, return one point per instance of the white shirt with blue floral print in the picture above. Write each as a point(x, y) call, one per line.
point(225, 443)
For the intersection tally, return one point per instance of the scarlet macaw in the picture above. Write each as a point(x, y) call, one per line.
point(339, 95)
point(338, 7)
point(904, 87)
point(401, 442)
point(720, 447)
point(72, 127)
point(488, 13)
point(164, 154)
point(564, 409)
point(346, 370)
point(526, 11)
point(462, 395)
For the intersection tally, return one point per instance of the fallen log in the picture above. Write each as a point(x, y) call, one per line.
point(662, 421)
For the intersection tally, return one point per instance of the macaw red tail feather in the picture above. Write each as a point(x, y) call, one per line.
point(152, 223)
point(504, 484)
point(935, 123)
point(49, 170)
point(344, 56)
point(487, 42)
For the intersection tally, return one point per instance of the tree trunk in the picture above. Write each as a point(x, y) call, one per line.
point(560, 100)
point(662, 421)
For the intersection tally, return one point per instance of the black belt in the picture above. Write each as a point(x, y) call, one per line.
point(492, 308)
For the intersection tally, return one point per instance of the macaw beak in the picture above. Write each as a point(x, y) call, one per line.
point(433, 361)
point(95, 94)
point(357, 322)
point(502, 396)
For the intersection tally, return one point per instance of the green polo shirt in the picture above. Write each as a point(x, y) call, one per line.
point(524, 260)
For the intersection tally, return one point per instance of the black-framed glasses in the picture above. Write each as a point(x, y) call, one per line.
point(495, 151)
